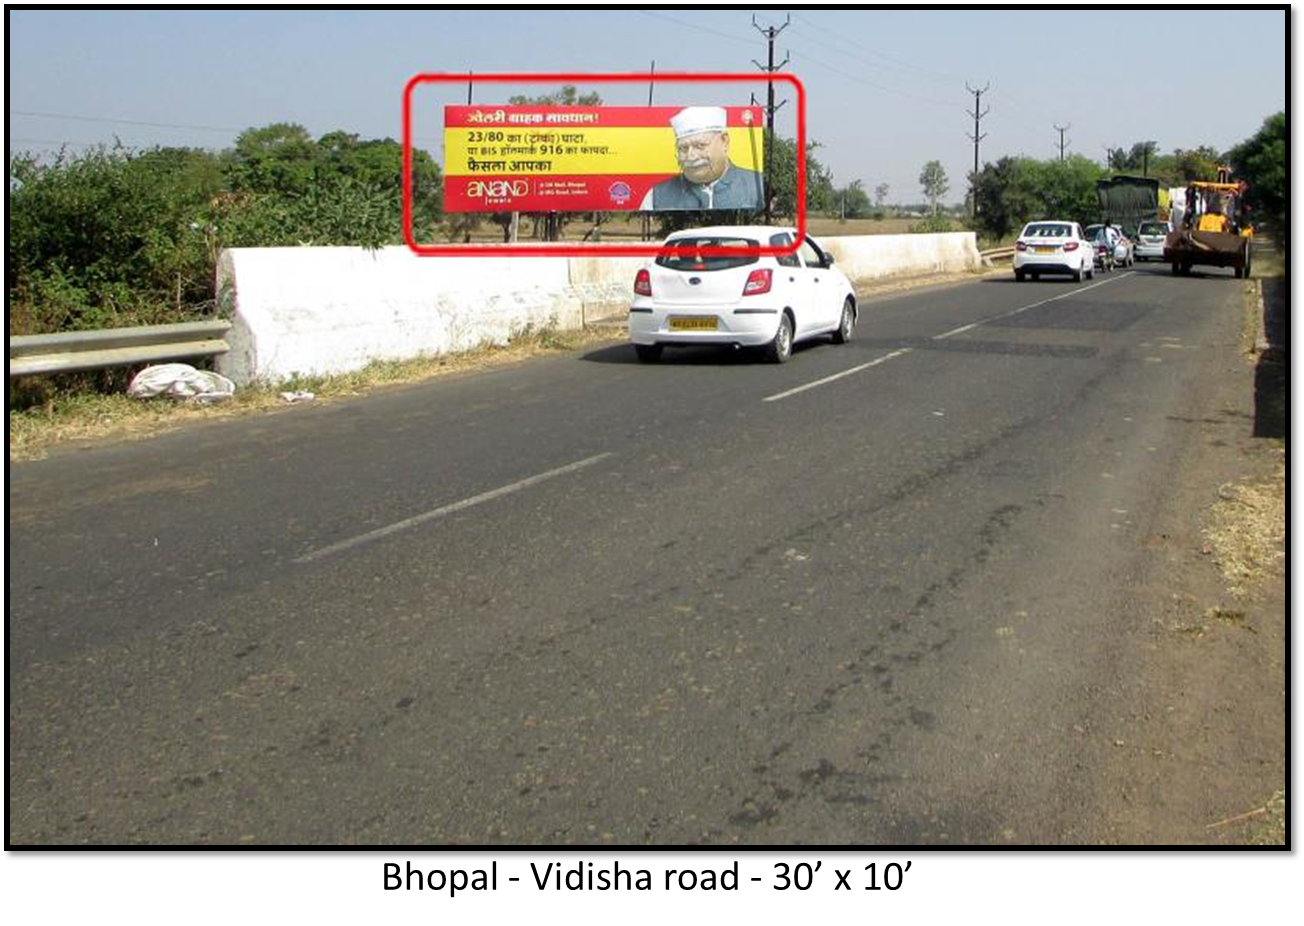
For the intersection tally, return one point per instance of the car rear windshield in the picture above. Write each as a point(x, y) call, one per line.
point(1046, 231)
point(1154, 228)
point(685, 253)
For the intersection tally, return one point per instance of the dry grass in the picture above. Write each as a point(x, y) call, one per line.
point(1271, 830)
point(1246, 530)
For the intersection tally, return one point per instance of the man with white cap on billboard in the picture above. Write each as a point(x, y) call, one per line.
point(709, 180)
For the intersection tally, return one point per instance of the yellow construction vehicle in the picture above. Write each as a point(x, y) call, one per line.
point(1214, 229)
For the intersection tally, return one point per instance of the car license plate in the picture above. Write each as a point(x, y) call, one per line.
point(693, 323)
point(1044, 250)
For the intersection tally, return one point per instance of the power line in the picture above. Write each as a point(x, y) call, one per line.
point(933, 75)
point(869, 83)
point(698, 28)
point(154, 125)
point(814, 59)
point(52, 141)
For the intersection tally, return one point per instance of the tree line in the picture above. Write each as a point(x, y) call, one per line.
point(117, 237)
point(1014, 190)
point(114, 237)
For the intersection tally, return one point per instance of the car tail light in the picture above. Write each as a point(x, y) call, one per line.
point(643, 283)
point(1070, 245)
point(758, 281)
point(1020, 245)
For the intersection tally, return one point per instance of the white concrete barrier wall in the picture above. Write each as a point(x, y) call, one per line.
point(604, 284)
point(333, 310)
point(870, 257)
point(324, 311)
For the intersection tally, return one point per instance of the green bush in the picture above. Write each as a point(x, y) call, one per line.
point(932, 225)
point(113, 237)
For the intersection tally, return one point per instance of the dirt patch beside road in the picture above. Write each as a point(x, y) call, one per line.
point(1201, 755)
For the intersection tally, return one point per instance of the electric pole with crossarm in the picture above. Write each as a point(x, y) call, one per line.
point(976, 137)
point(770, 33)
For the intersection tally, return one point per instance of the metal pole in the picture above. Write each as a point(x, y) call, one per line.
point(976, 137)
point(1061, 131)
point(771, 33)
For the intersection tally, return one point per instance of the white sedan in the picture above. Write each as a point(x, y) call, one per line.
point(690, 296)
point(1053, 247)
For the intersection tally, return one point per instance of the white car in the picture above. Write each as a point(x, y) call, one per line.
point(689, 296)
point(1053, 246)
point(1150, 240)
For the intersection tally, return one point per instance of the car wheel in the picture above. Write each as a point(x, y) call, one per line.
point(1077, 275)
point(1175, 270)
point(846, 324)
point(1018, 276)
point(780, 349)
point(649, 353)
point(1036, 277)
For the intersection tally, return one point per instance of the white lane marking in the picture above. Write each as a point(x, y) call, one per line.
point(829, 379)
point(1013, 312)
point(936, 337)
point(449, 509)
point(960, 330)
point(1072, 292)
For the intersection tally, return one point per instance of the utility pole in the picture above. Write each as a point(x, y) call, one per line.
point(651, 81)
point(1062, 130)
point(469, 75)
point(770, 33)
point(976, 137)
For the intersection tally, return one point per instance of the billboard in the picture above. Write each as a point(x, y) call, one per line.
point(602, 158)
point(419, 84)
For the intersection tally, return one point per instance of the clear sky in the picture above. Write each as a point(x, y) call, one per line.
point(886, 89)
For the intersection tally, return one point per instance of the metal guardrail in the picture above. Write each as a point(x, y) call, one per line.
point(73, 351)
point(998, 253)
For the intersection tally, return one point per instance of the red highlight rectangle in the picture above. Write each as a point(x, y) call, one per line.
point(581, 249)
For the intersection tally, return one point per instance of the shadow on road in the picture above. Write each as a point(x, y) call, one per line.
point(1270, 372)
point(705, 355)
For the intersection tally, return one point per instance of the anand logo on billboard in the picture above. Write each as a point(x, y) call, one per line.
point(497, 192)
point(604, 158)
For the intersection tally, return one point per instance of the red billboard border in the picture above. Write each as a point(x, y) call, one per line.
point(581, 249)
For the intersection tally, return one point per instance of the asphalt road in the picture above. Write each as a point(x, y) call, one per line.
point(873, 596)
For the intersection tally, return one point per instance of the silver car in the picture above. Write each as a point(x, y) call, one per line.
point(1150, 240)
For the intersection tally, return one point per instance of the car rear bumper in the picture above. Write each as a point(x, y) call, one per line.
point(1048, 263)
point(750, 327)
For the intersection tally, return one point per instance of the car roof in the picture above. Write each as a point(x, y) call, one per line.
point(739, 231)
